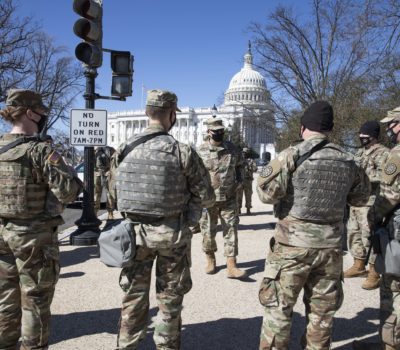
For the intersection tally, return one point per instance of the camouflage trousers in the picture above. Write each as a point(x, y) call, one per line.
point(359, 233)
point(226, 211)
point(172, 282)
point(389, 314)
point(98, 188)
point(247, 189)
point(287, 271)
point(29, 270)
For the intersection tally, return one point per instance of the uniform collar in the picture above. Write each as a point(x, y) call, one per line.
point(153, 128)
point(372, 149)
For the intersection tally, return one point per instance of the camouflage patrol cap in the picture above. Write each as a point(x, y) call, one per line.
point(246, 150)
point(392, 116)
point(25, 98)
point(214, 124)
point(162, 98)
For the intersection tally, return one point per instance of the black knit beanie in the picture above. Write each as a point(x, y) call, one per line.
point(318, 117)
point(370, 128)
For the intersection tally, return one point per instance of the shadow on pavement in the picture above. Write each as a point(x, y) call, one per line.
point(222, 334)
point(252, 267)
point(78, 255)
point(357, 327)
point(78, 324)
point(255, 227)
point(257, 213)
point(72, 274)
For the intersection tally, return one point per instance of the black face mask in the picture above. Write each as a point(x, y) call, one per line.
point(41, 124)
point(217, 136)
point(391, 134)
point(300, 135)
point(172, 123)
point(365, 141)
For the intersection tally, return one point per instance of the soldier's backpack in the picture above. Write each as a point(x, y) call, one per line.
point(117, 244)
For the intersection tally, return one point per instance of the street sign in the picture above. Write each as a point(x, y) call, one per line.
point(88, 127)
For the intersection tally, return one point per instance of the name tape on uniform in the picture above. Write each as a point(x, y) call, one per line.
point(88, 127)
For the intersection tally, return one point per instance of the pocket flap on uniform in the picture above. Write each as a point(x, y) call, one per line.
point(271, 271)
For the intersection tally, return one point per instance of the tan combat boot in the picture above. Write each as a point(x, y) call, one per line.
point(210, 267)
point(110, 215)
point(232, 270)
point(373, 279)
point(357, 270)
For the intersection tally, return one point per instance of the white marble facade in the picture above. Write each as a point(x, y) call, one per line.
point(246, 108)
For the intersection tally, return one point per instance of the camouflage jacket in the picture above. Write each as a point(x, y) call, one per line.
point(274, 188)
point(389, 194)
point(249, 167)
point(174, 231)
point(48, 167)
point(225, 165)
point(372, 160)
point(102, 160)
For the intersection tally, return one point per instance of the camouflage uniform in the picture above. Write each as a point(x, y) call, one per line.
point(165, 240)
point(101, 172)
point(358, 226)
point(306, 253)
point(386, 201)
point(249, 168)
point(29, 254)
point(224, 164)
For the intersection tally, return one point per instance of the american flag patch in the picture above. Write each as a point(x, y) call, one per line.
point(54, 158)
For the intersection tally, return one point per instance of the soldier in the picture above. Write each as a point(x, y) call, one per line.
point(386, 209)
point(306, 248)
point(35, 183)
point(249, 167)
point(101, 173)
point(371, 158)
point(162, 186)
point(223, 161)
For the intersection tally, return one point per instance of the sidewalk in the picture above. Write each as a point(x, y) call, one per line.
point(219, 313)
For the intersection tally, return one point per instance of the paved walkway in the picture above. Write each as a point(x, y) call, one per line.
point(219, 313)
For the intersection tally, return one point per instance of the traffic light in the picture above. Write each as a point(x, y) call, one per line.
point(89, 29)
point(122, 71)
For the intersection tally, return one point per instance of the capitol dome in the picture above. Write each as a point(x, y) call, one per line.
point(247, 86)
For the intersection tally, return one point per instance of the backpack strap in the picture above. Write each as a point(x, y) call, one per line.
point(308, 154)
point(139, 141)
point(18, 142)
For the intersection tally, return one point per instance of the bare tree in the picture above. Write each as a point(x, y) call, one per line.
point(57, 76)
point(15, 37)
point(342, 52)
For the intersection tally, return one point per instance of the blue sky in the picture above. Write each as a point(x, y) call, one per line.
point(190, 47)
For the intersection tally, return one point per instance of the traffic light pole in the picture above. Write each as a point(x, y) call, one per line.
point(88, 225)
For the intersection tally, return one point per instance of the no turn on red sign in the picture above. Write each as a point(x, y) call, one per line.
point(88, 127)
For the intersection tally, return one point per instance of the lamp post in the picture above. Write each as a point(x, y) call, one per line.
point(230, 124)
point(214, 111)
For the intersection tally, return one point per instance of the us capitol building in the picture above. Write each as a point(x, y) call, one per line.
point(246, 110)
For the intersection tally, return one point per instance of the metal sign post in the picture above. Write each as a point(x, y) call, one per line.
point(88, 225)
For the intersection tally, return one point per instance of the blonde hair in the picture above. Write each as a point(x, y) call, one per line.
point(12, 113)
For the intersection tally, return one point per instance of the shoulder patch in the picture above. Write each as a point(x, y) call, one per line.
point(268, 172)
point(54, 158)
point(391, 168)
